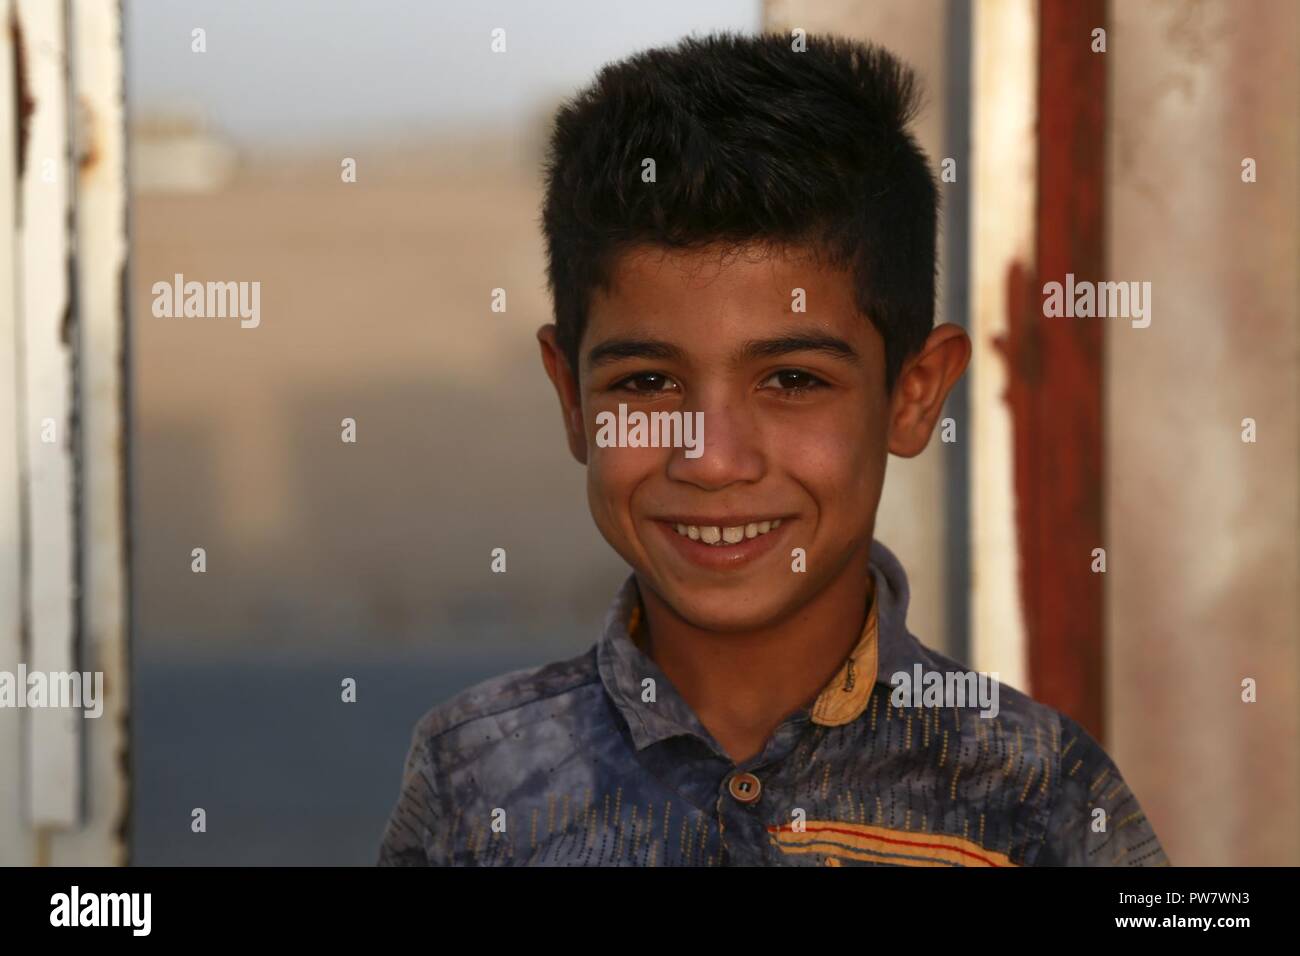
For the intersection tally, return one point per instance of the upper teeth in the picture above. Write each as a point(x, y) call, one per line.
point(715, 534)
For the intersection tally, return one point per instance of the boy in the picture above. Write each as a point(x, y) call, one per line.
point(745, 233)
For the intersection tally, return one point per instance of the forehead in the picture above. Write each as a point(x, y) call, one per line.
point(724, 292)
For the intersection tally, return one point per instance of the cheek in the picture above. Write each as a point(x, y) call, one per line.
point(613, 477)
point(840, 462)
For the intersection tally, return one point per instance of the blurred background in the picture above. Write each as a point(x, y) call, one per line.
point(328, 560)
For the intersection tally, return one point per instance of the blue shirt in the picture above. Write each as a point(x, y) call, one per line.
point(598, 761)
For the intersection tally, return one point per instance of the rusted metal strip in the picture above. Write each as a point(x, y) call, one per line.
point(46, 410)
point(100, 240)
point(1057, 367)
point(16, 842)
point(63, 571)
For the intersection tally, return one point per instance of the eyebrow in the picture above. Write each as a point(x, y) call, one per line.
point(800, 342)
point(616, 350)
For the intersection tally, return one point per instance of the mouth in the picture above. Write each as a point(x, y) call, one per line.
point(722, 535)
point(717, 542)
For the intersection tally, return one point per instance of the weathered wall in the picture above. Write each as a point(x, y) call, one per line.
point(1204, 533)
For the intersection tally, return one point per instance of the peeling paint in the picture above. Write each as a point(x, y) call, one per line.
point(22, 93)
point(88, 152)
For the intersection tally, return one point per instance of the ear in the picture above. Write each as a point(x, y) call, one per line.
point(566, 387)
point(922, 387)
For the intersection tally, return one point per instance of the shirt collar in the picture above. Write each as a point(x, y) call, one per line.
point(884, 648)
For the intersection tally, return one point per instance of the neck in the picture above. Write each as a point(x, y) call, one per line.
point(742, 685)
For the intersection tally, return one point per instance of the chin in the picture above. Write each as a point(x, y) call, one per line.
point(728, 610)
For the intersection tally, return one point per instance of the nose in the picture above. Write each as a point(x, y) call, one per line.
point(731, 447)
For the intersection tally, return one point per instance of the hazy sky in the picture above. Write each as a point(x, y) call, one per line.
point(279, 71)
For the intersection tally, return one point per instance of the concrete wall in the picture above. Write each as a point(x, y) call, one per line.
point(1204, 532)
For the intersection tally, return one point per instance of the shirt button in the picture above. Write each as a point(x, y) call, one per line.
point(745, 787)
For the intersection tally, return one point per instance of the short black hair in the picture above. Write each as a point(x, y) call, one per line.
point(753, 141)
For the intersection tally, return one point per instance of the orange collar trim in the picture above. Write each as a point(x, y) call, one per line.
point(844, 699)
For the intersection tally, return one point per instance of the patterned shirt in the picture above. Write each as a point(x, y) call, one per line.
point(598, 761)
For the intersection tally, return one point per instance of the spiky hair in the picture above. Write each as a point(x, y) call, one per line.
point(753, 142)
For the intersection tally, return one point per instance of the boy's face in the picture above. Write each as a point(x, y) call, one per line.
point(797, 427)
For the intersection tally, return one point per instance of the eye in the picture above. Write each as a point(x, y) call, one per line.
point(793, 380)
point(646, 383)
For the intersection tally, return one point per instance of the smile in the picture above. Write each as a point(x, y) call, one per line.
point(721, 535)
